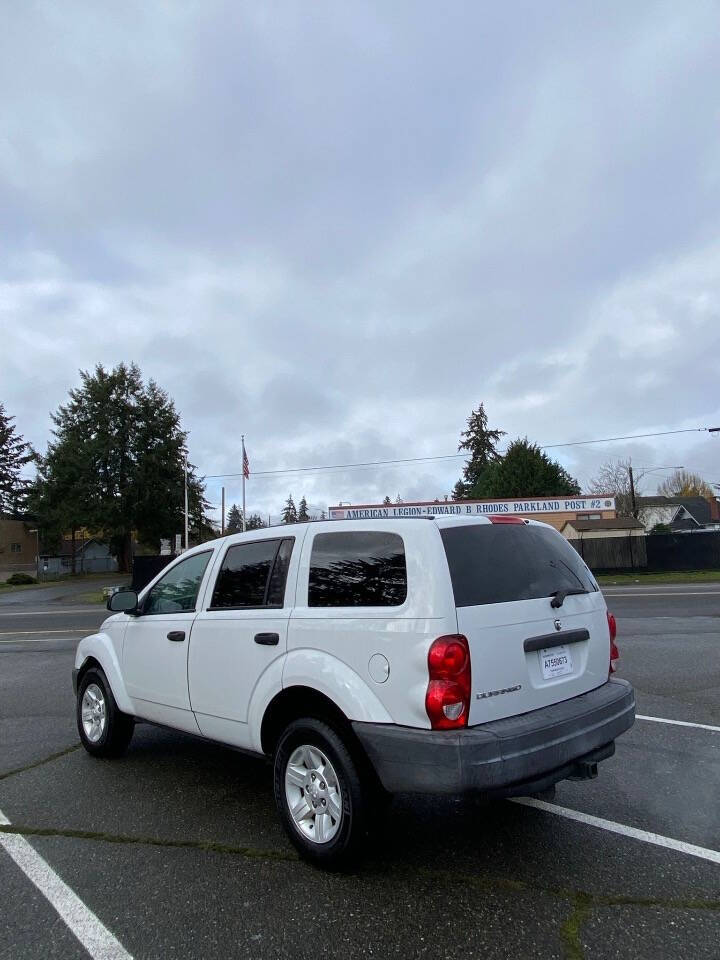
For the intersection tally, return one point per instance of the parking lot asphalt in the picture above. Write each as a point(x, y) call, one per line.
point(175, 849)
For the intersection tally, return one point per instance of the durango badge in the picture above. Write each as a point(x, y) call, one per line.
point(497, 693)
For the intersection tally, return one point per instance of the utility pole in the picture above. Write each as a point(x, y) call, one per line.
point(37, 555)
point(186, 505)
point(245, 473)
point(222, 514)
point(632, 492)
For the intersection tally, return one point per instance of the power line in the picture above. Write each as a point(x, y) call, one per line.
point(452, 456)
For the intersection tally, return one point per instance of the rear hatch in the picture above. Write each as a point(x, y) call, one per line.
point(525, 653)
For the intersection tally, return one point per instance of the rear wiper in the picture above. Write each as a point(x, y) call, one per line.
point(558, 596)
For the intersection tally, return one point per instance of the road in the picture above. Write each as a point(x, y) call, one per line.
point(176, 850)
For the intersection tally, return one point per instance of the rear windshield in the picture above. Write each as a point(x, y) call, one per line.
point(494, 563)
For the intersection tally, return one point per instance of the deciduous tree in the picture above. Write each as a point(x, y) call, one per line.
point(613, 479)
point(685, 484)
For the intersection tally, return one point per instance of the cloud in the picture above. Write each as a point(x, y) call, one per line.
point(337, 229)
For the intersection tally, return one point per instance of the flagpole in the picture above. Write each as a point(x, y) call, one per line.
point(186, 505)
point(243, 482)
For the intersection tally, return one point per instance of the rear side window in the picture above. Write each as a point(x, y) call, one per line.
point(498, 563)
point(357, 569)
point(253, 575)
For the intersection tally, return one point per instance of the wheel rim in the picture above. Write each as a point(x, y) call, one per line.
point(313, 794)
point(93, 712)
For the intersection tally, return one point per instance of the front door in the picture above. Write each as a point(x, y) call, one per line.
point(156, 645)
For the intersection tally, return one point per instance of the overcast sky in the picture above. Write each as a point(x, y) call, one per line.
point(337, 227)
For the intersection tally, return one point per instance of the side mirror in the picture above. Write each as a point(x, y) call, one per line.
point(124, 601)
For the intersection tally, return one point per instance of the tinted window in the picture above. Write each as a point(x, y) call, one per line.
point(253, 575)
point(357, 570)
point(496, 563)
point(276, 587)
point(177, 591)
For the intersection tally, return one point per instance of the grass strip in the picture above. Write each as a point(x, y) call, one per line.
point(210, 846)
point(39, 763)
point(639, 577)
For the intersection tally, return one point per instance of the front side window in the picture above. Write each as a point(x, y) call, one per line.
point(178, 589)
point(357, 569)
point(253, 575)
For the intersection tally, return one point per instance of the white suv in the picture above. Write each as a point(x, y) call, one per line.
point(368, 657)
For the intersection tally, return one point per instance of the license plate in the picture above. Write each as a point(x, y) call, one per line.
point(555, 662)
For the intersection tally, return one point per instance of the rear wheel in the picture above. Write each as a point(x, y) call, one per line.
point(319, 793)
point(104, 730)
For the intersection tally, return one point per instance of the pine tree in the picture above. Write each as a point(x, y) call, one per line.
point(234, 520)
point(303, 515)
point(289, 512)
point(481, 444)
point(387, 501)
point(15, 453)
point(524, 471)
point(255, 522)
point(115, 464)
point(398, 499)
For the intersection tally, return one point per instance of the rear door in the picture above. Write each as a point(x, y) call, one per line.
point(525, 653)
point(239, 634)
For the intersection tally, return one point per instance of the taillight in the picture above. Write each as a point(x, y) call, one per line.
point(614, 652)
point(504, 518)
point(447, 701)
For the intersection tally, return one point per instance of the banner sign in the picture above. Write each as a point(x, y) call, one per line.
point(471, 508)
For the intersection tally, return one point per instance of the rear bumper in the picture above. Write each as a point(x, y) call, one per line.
point(504, 757)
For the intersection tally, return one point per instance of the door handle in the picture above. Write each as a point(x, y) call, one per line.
point(267, 639)
point(177, 635)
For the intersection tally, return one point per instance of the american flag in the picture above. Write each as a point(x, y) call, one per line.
point(246, 464)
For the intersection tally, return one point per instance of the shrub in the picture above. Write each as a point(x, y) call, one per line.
point(20, 579)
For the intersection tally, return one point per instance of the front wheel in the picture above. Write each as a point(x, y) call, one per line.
point(319, 793)
point(104, 730)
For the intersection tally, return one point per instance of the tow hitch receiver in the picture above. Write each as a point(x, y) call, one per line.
point(584, 770)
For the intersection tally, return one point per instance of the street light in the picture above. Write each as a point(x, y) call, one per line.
point(632, 482)
point(37, 553)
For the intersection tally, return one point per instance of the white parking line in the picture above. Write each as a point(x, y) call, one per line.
point(50, 613)
point(679, 723)
point(46, 634)
point(655, 838)
point(80, 920)
point(35, 639)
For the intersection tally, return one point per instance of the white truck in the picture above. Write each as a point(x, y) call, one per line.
point(368, 657)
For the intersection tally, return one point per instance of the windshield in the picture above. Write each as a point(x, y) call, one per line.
point(492, 563)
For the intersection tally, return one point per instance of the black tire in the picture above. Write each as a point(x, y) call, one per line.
point(118, 727)
point(342, 850)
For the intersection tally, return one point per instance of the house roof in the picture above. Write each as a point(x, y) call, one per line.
point(80, 546)
point(618, 523)
point(698, 507)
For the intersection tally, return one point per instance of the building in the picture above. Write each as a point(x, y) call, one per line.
point(612, 544)
point(91, 556)
point(18, 547)
point(677, 513)
point(553, 510)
